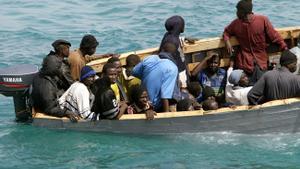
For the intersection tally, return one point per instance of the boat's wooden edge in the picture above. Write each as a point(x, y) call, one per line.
point(39, 115)
point(200, 45)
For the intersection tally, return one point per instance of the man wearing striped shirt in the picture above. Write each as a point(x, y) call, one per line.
point(79, 98)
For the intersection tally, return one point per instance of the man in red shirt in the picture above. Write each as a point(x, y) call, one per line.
point(252, 32)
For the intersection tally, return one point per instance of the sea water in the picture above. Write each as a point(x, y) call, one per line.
point(27, 29)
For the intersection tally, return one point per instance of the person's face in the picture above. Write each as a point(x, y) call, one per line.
point(143, 99)
point(244, 81)
point(112, 75)
point(118, 66)
point(213, 64)
point(65, 50)
point(292, 67)
point(89, 81)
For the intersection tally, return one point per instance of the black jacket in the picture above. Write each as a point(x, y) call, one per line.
point(44, 93)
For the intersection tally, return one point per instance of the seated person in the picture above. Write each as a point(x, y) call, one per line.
point(141, 103)
point(106, 105)
point(280, 83)
point(78, 98)
point(237, 87)
point(194, 89)
point(128, 80)
point(159, 76)
point(296, 50)
point(210, 104)
point(45, 92)
point(118, 87)
point(185, 105)
point(212, 76)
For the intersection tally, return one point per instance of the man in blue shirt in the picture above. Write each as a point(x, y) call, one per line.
point(159, 75)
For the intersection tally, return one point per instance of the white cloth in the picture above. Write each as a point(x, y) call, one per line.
point(78, 99)
point(236, 94)
point(296, 51)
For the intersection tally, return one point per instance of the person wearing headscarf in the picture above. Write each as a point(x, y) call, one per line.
point(280, 83)
point(237, 87)
point(252, 32)
point(79, 98)
point(175, 26)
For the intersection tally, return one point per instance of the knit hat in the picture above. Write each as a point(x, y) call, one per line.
point(287, 57)
point(235, 76)
point(86, 72)
point(58, 42)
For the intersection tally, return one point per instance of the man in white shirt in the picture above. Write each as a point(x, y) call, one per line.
point(237, 87)
point(79, 98)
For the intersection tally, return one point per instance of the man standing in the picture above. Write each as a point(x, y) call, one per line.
point(277, 84)
point(61, 51)
point(252, 32)
point(83, 55)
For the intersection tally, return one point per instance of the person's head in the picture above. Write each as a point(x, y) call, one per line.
point(61, 47)
point(238, 77)
point(210, 104)
point(213, 63)
point(175, 25)
point(88, 44)
point(194, 88)
point(209, 93)
point(87, 75)
point(139, 96)
point(51, 66)
point(110, 72)
point(117, 63)
point(244, 7)
point(185, 105)
point(288, 60)
point(132, 60)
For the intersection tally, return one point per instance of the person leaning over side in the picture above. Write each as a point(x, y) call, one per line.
point(79, 98)
point(61, 51)
point(280, 83)
point(86, 53)
point(44, 93)
point(106, 106)
point(252, 32)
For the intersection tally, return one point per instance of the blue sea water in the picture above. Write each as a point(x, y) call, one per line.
point(28, 27)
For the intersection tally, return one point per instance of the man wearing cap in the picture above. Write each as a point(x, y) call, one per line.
point(277, 84)
point(79, 98)
point(252, 32)
point(237, 87)
point(86, 53)
point(61, 51)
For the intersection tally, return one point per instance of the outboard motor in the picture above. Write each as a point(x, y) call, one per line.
point(15, 82)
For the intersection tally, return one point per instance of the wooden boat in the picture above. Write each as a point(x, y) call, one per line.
point(275, 116)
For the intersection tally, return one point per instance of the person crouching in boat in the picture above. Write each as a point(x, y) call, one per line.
point(280, 83)
point(237, 87)
point(44, 93)
point(79, 98)
point(296, 51)
point(61, 51)
point(141, 103)
point(159, 74)
point(106, 105)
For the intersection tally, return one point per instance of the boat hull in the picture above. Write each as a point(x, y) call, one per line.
point(273, 119)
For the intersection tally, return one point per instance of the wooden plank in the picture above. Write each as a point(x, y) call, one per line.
point(198, 46)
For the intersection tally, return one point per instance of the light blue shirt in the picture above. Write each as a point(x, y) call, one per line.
point(159, 76)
